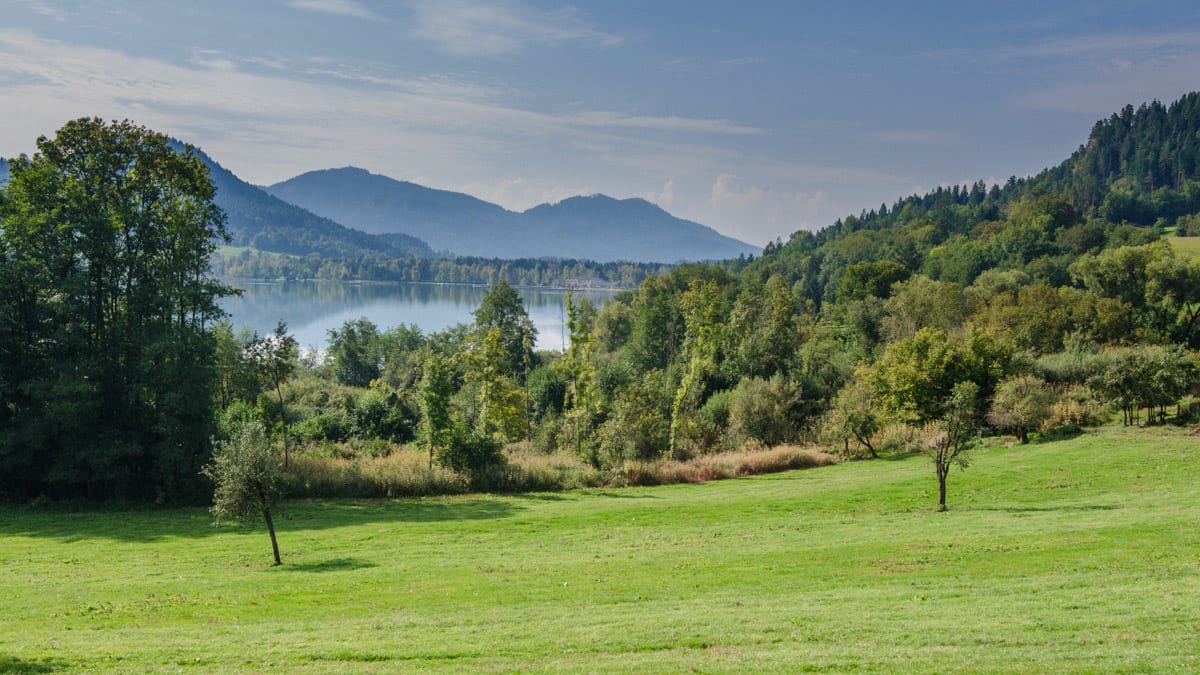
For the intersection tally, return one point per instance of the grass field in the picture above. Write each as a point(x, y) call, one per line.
point(1081, 555)
point(1189, 246)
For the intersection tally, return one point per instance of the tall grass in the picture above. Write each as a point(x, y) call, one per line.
point(406, 472)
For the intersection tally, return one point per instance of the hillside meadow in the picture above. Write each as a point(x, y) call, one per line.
point(1077, 555)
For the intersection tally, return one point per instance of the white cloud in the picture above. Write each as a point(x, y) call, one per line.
point(348, 8)
point(46, 9)
point(766, 213)
point(474, 28)
point(665, 198)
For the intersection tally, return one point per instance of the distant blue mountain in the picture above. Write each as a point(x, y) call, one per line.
point(596, 228)
point(3, 171)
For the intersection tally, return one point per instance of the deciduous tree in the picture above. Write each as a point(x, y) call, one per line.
point(248, 476)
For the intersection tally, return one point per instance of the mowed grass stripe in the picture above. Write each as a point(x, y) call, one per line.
point(1079, 555)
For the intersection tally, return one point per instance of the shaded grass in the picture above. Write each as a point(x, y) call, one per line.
point(1079, 555)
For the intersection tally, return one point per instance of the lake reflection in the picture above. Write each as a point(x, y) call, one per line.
point(312, 308)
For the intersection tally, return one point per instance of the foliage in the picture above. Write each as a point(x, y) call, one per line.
point(436, 390)
point(766, 411)
point(354, 352)
point(474, 455)
point(956, 434)
point(107, 377)
point(1021, 404)
point(501, 310)
point(1152, 377)
point(248, 478)
point(854, 416)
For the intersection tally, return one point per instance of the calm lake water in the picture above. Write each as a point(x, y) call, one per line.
point(312, 308)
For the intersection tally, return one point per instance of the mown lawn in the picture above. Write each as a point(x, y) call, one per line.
point(1081, 555)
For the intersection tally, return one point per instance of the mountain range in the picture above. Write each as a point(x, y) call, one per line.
point(351, 212)
point(596, 227)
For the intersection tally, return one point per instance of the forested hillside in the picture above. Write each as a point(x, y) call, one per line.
point(1136, 175)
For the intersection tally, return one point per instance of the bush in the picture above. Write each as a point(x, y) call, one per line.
point(1020, 405)
point(331, 425)
point(381, 412)
point(765, 410)
point(475, 456)
point(1075, 407)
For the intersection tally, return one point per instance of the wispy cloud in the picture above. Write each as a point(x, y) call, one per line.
point(486, 29)
point(1097, 74)
point(743, 61)
point(909, 137)
point(348, 8)
point(342, 109)
point(46, 9)
point(1108, 44)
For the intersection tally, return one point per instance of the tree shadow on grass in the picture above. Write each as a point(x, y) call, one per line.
point(147, 525)
point(13, 664)
point(612, 494)
point(331, 565)
point(538, 496)
point(1070, 508)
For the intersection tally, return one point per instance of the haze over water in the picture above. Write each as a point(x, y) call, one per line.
point(312, 308)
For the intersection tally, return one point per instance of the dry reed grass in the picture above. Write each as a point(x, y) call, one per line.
point(406, 472)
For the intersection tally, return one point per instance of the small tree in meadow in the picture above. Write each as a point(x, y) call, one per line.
point(248, 477)
point(957, 431)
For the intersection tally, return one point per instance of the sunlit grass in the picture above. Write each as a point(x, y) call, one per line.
point(1189, 246)
point(1081, 555)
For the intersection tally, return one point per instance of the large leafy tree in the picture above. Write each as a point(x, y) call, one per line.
point(108, 375)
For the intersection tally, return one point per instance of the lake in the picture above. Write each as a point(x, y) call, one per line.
point(312, 308)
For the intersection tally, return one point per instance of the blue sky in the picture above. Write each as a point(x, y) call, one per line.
point(756, 118)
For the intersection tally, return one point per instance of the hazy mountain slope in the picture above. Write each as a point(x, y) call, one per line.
point(3, 170)
point(602, 228)
point(256, 218)
point(596, 228)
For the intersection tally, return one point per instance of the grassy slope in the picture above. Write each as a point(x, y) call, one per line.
point(1078, 555)
point(1189, 246)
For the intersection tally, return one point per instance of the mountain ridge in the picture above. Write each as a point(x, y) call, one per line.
point(594, 227)
point(256, 218)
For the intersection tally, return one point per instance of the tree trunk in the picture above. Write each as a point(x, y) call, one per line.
point(941, 491)
point(266, 511)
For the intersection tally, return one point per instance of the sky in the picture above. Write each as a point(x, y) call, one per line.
point(756, 118)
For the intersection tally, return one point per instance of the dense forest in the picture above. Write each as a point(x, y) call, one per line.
point(1030, 309)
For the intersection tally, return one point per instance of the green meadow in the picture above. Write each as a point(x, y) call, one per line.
point(1189, 246)
point(1078, 555)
